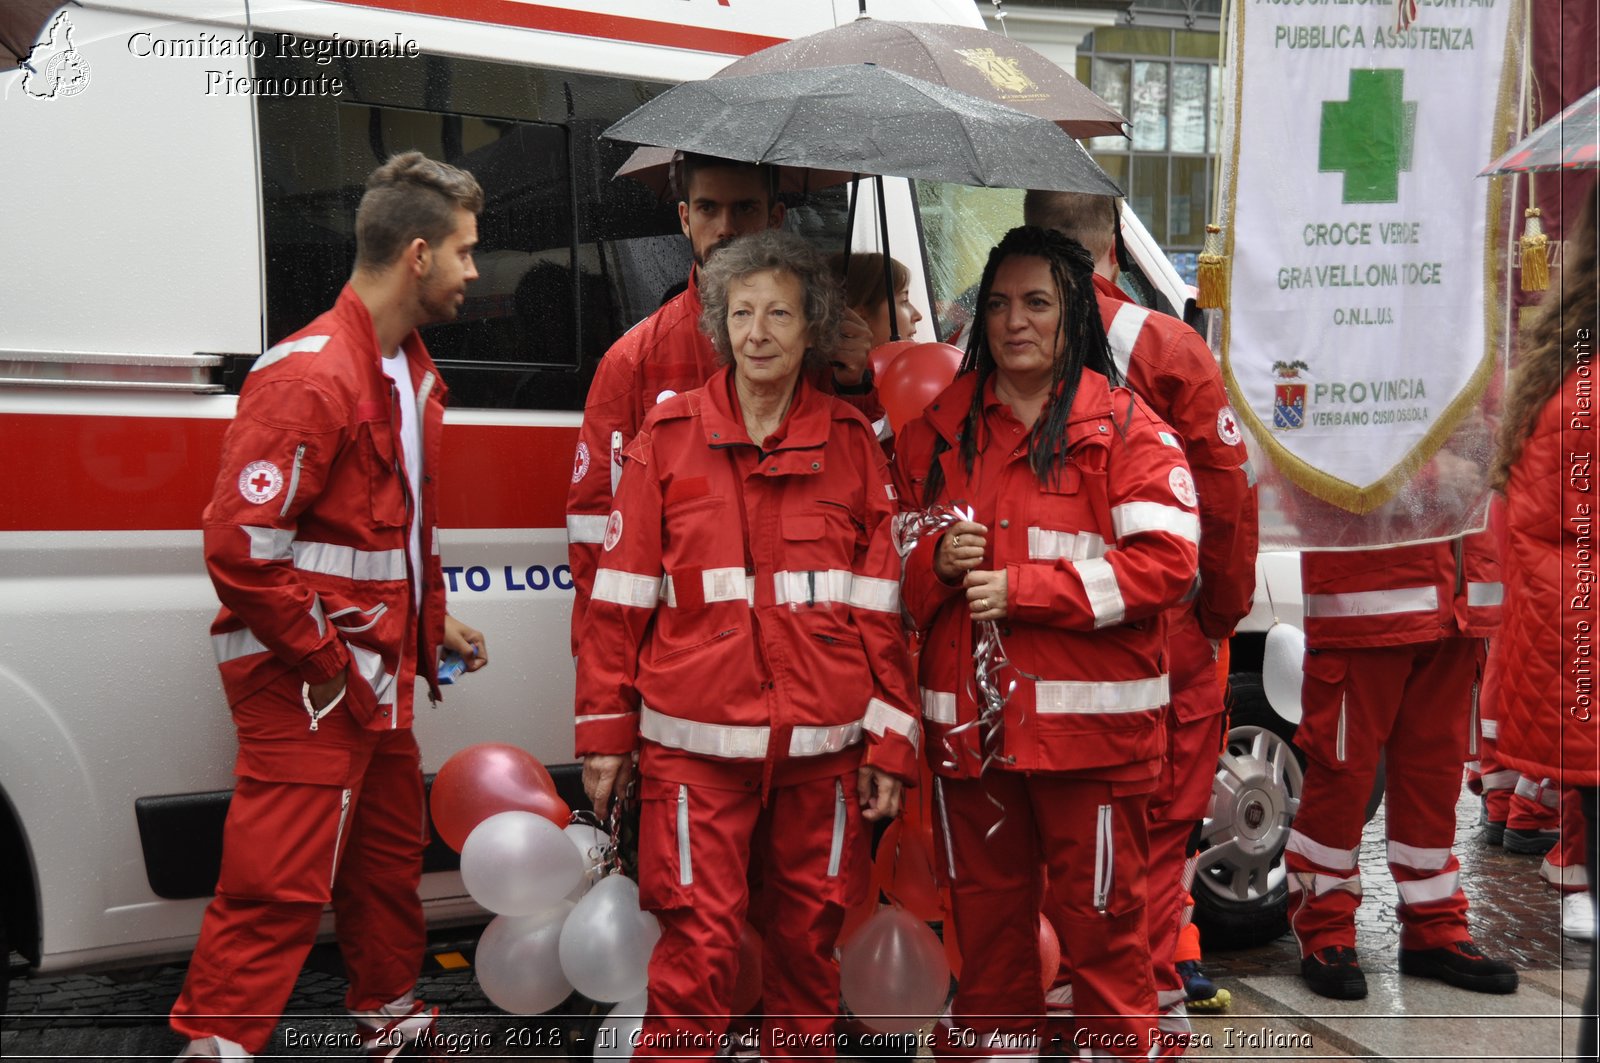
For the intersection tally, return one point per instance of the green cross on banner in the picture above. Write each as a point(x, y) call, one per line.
point(1369, 136)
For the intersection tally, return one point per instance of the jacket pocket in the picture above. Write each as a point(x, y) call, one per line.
point(666, 845)
point(1321, 735)
point(386, 486)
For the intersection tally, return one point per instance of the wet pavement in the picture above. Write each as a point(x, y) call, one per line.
point(122, 1016)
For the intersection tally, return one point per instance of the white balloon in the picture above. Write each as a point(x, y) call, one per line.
point(518, 961)
point(893, 972)
point(590, 841)
point(607, 941)
point(517, 863)
point(624, 1021)
point(1282, 670)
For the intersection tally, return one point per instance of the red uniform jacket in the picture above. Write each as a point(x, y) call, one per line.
point(1091, 563)
point(1546, 652)
point(746, 615)
point(1170, 367)
point(1398, 595)
point(307, 532)
point(664, 355)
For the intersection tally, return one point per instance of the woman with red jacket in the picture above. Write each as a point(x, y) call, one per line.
point(1084, 530)
point(1549, 716)
point(744, 640)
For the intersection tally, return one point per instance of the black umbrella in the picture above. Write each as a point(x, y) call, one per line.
point(865, 119)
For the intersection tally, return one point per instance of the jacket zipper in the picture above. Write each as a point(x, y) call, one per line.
point(338, 837)
point(836, 853)
point(1338, 735)
point(1104, 859)
point(685, 859)
point(944, 827)
point(294, 479)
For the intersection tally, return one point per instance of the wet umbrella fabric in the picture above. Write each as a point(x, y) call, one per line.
point(978, 62)
point(865, 119)
point(1569, 141)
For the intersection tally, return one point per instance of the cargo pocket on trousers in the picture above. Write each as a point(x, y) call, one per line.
point(666, 845)
point(1321, 735)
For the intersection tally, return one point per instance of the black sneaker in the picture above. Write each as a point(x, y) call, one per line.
point(1530, 842)
point(1334, 972)
point(1462, 964)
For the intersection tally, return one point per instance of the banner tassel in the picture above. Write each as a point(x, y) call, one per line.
point(1213, 272)
point(1535, 253)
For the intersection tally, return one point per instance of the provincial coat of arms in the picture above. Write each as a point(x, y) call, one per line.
point(1289, 395)
point(1003, 71)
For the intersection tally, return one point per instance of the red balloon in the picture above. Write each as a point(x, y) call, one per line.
point(747, 984)
point(904, 870)
point(1049, 953)
point(915, 378)
point(487, 778)
point(884, 353)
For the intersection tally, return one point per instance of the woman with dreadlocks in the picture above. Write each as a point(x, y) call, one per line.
point(1083, 530)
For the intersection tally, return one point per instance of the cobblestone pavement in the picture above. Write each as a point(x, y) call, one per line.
point(122, 1016)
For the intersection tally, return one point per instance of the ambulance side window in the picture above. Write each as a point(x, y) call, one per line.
point(568, 259)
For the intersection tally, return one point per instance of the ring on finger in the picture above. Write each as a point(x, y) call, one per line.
point(956, 542)
point(983, 605)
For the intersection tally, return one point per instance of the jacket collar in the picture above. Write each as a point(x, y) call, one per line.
point(1110, 290)
point(948, 413)
point(353, 314)
point(805, 427)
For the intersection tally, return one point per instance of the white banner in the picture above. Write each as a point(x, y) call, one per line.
point(1364, 326)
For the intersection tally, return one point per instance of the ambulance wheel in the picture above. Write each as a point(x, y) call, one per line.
point(1241, 891)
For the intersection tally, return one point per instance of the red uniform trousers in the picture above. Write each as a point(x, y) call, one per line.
point(696, 843)
point(1414, 700)
point(1091, 837)
point(290, 848)
point(1195, 723)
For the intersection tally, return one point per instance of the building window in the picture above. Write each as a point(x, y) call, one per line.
point(1167, 82)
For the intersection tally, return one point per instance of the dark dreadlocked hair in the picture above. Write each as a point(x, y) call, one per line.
point(1081, 344)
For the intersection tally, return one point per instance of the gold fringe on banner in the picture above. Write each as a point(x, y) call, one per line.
point(1213, 272)
point(1535, 253)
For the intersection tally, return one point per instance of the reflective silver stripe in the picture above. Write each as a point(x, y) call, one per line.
point(269, 544)
point(1124, 333)
point(1490, 729)
point(882, 717)
point(370, 665)
point(626, 588)
point(1101, 588)
point(373, 615)
point(939, 706)
point(605, 716)
point(1339, 732)
point(435, 536)
point(1526, 787)
point(273, 355)
point(878, 595)
point(1427, 890)
point(716, 585)
point(1134, 518)
point(1503, 779)
point(1249, 471)
point(1574, 875)
point(741, 743)
point(944, 827)
point(586, 528)
point(1053, 697)
point(338, 835)
point(331, 559)
point(1319, 854)
point(1045, 544)
point(422, 399)
point(616, 460)
point(809, 588)
point(685, 859)
point(1104, 858)
point(1374, 603)
point(836, 854)
point(1417, 857)
point(317, 617)
point(294, 480)
point(1480, 595)
point(1321, 883)
point(231, 645)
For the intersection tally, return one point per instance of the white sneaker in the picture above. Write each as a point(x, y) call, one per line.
point(1577, 916)
point(217, 1049)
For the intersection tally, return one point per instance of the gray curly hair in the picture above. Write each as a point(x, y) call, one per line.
point(776, 251)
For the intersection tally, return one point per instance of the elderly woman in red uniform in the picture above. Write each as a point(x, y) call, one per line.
point(1084, 530)
point(744, 640)
point(1549, 714)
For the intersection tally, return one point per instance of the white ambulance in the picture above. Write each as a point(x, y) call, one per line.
point(178, 193)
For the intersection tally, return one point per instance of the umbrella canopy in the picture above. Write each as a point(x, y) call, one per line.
point(653, 167)
point(865, 119)
point(975, 61)
point(1566, 142)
